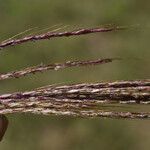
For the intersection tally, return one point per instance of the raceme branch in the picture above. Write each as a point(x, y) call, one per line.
point(109, 99)
point(56, 66)
point(49, 35)
point(82, 100)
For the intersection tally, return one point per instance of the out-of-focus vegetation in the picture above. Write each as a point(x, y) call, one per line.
point(62, 133)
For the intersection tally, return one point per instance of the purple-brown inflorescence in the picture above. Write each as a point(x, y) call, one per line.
point(49, 35)
point(84, 100)
point(56, 66)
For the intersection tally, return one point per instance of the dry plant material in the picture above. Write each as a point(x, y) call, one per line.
point(56, 66)
point(49, 35)
point(77, 100)
point(84, 100)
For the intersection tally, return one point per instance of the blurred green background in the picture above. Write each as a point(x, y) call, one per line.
point(35, 132)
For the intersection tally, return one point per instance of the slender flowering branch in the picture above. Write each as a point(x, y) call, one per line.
point(84, 100)
point(125, 91)
point(56, 66)
point(78, 100)
point(50, 35)
point(75, 113)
